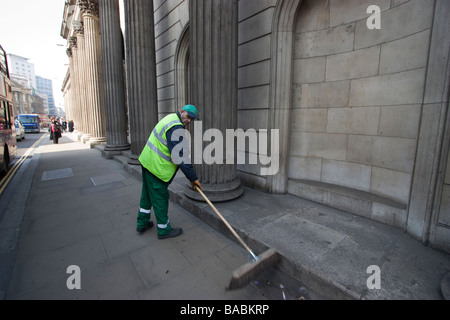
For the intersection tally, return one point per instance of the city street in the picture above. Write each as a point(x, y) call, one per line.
point(9, 186)
point(30, 139)
point(318, 129)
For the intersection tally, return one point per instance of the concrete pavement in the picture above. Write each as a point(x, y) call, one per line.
point(81, 210)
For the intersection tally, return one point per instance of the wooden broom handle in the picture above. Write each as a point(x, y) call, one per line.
point(225, 221)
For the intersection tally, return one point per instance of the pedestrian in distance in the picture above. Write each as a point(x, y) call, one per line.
point(158, 171)
point(70, 125)
point(55, 131)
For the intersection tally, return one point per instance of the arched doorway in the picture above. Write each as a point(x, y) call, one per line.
point(182, 79)
point(281, 85)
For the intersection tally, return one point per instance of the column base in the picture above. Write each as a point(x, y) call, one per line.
point(94, 141)
point(109, 151)
point(85, 138)
point(117, 147)
point(78, 134)
point(133, 160)
point(217, 192)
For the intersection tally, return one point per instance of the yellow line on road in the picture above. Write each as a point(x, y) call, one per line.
point(17, 165)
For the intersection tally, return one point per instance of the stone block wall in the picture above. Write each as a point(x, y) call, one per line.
point(171, 18)
point(360, 111)
point(357, 94)
point(254, 76)
point(441, 236)
point(445, 201)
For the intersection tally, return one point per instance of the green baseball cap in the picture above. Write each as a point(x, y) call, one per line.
point(192, 111)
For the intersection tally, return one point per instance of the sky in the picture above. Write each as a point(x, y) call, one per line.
point(31, 29)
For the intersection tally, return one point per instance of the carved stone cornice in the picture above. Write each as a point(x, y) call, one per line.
point(89, 7)
point(73, 42)
point(78, 28)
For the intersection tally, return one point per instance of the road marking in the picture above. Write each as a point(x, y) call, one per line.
point(4, 183)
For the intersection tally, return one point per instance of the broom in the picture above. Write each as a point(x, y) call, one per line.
point(247, 272)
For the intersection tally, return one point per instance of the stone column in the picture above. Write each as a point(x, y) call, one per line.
point(213, 65)
point(96, 127)
point(67, 98)
point(83, 88)
point(113, 79)
point(141, 73)
point(76, 84)
point(72, 87)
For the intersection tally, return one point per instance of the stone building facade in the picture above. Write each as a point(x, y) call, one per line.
point(25, 99)
point(359, 99)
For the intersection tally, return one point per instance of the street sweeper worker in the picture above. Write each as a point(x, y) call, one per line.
point(158, 171)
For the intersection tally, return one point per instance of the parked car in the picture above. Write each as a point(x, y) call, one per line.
point(20, 130)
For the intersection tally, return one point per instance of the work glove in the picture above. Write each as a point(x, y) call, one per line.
point(194, 184)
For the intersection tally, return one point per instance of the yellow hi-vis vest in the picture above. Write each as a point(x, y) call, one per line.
point(156, 157)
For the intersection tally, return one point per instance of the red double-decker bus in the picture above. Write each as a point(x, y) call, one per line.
point(8, 144)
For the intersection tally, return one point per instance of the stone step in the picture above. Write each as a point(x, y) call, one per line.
point(358, 202)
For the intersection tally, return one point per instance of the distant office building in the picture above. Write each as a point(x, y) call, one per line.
point(26, 99)
point(20, 66)
point(45, 86)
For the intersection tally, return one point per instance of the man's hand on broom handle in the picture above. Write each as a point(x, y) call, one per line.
point(195, 184)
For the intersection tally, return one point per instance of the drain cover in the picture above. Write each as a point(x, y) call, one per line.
point(57, 174)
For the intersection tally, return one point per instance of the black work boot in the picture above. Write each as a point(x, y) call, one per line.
point(142, 230)
point(175, 232)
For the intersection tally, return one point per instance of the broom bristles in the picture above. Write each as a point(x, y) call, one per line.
point(249, 271)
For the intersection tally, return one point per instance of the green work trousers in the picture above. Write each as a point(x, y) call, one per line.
point(155, 194)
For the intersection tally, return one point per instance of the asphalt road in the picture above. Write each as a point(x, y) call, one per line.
point(10, 185)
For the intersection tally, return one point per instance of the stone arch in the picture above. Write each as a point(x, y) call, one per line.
point(281, 85)
point(182, 69)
